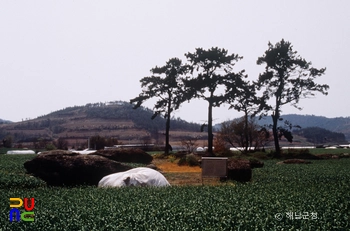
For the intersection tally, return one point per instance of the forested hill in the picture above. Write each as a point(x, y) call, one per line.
point(140, 116)
point(121, 110)
point(4, 121)
point(117, 119)
point(339, 124)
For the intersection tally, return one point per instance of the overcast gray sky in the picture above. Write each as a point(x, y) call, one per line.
point(57, 54)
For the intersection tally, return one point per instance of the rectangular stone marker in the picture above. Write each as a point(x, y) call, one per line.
point(214, 167)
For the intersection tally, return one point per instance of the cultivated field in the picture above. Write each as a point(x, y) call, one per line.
point(280, 197)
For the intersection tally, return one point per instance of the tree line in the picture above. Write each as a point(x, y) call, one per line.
point(287, 79)
point(320, 136)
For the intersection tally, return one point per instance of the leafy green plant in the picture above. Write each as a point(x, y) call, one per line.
point(190, 160)
point(50, 147)
point(321, 187)
point(172, 158)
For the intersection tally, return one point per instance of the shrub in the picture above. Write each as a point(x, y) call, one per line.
point(159, 156)
point(182, 161)
point(180, 154)
point(50, 147)
point(255, 163)
point(292, 153)
point(262, 155)
point(171, 158)
point(224, 153)
point(190, 160)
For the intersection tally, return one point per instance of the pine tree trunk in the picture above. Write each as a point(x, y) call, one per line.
point(246, 132)
point(275, 135)
point(210, 128)
point(167, 129)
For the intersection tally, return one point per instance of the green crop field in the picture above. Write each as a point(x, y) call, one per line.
point(280, 197)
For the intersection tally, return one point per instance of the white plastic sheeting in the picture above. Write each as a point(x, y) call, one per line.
point(84, 152)
point(134, 177)
point(21, 152)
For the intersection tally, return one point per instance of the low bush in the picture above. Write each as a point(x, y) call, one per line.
point(262, 155)
point(190, 160)
point(293, 153)
point(255, 163)
point(171, 158)
point(224, 153)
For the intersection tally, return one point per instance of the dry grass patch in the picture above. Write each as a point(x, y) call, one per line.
point(174, 167)
point(183, 175)
point(181, 178)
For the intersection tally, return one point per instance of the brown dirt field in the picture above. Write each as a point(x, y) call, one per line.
point(173, 167)
point(184, 175)
point(189, 178)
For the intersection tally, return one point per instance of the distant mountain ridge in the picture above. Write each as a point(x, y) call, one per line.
point(119, 119)
point(338, 124)
point(114, 119)
point(5, 121)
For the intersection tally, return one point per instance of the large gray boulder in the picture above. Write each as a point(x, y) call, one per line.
point(132, 155)
point(239, 170)
point(64, 168)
